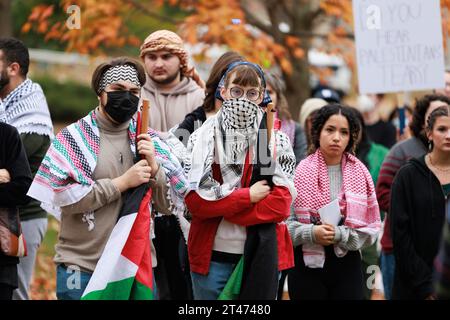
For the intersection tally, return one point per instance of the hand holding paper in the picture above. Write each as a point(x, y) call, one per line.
point(331, 213)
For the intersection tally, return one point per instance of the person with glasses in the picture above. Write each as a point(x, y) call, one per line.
point(230, 202)
point(89, 167)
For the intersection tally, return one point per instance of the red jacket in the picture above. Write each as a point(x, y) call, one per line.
point(236, 208)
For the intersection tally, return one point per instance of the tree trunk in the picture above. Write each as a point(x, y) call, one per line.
point(297, 86)
point(5, 18)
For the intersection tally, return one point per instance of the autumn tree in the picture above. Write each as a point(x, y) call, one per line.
point(268, 32)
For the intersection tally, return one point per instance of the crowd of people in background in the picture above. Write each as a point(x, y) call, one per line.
point(239, 183)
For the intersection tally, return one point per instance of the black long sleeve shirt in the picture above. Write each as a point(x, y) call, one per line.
point(417, 213)
point(13, 158)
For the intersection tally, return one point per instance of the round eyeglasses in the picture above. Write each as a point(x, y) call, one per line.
point(251, 94)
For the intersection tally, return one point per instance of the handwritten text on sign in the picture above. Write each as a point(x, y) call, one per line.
point(398, 45)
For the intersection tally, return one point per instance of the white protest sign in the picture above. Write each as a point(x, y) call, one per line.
point(399, 45)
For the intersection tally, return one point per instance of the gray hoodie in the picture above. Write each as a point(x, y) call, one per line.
point(168, 109)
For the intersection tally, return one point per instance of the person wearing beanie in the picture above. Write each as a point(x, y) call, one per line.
point(173, 88)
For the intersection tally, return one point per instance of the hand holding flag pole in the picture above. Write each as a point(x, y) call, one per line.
point(145, 114)
point(144, 143)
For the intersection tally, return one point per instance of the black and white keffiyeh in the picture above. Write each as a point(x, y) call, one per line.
point(26, 109)
point(121, 72)
point(225, 139)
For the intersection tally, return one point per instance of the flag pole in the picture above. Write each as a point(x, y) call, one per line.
point(145, 116)
point(270, 115)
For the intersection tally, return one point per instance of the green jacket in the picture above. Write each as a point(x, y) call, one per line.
point(375, 159)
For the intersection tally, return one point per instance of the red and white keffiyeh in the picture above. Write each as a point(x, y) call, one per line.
point(357, 200)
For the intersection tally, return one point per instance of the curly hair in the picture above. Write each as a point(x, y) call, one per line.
point(422, 105)
point(322, 116)
point(363, 147)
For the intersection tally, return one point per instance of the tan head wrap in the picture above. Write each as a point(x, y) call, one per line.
point(170, 41)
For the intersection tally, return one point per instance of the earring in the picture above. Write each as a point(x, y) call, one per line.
point(430, 145)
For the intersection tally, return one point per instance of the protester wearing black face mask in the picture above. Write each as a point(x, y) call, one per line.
point(121, 105)
point(104, 148)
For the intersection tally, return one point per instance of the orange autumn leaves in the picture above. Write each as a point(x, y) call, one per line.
point(210, 21)
point(221, 22)
point(102, 25)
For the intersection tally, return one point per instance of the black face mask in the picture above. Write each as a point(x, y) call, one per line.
point(121, 105)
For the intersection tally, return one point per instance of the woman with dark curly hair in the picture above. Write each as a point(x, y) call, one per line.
point(419, 194)
point(327, 258)
point(400, 153)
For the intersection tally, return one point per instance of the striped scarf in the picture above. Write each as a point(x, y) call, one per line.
point(357, 200)
point(65, 174)
point(26, 109)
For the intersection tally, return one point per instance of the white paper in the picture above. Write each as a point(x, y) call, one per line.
point(399, 45)
point(331, 213)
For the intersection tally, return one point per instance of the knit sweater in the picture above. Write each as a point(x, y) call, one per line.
point(76, 244)
point(396, 158)
point(170, 108)
point(345, 237)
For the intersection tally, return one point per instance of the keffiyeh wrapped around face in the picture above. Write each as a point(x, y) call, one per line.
point(225, 139)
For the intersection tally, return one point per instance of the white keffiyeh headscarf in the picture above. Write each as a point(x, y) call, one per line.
point(225, 139)
point(26, 109)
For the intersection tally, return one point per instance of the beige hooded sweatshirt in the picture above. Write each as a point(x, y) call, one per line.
point(168, 109)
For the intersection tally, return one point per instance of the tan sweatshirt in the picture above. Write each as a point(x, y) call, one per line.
point(76, 244)
point(168, 109)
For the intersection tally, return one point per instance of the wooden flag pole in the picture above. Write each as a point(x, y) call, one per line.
point(145, 116)
point(270, 115)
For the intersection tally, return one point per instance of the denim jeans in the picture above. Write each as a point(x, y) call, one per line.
point(70, 282)
point(387, 264)
point(209, 287)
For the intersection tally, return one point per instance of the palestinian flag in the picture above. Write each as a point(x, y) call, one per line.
point(124, 271)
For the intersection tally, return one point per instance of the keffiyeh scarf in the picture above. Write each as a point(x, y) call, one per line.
point(357, 200)
point(26, 109)
point(65, 174)
point(115, 74)
point(224, 139)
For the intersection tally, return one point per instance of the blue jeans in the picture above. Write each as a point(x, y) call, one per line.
point(209, 287)
point(387, 264)
point(70, 283)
